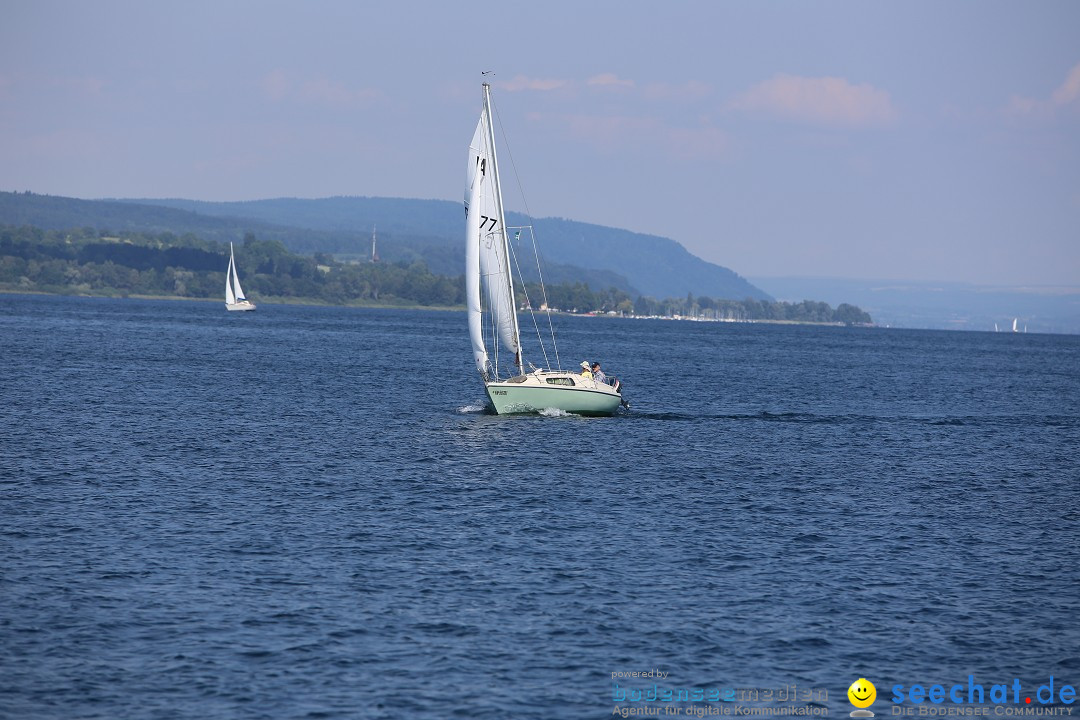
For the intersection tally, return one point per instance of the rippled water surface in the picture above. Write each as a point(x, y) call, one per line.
point(305, 512)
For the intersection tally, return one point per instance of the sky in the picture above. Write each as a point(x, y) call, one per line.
point(919, 140)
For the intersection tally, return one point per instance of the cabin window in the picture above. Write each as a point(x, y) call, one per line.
point(560, 381)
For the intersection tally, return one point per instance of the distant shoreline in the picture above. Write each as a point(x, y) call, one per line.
point(258, 301)
point(387, 306)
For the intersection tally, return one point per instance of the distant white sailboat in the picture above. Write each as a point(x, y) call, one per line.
point(234, 294)
point(489, 293)
point(1014, 324)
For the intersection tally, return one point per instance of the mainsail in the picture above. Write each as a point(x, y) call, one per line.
point(487, 270)
point(230, 294)
point(233, 292)
point(472, 280)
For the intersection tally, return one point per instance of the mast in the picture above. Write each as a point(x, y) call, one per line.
point(505, 241)
point(374, 255)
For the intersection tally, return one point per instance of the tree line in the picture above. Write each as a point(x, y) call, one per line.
point(577, 297)
point(89, 261)
point(101, 263)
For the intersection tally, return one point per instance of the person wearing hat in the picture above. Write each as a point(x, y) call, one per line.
point(598, 374)
point(585, 371)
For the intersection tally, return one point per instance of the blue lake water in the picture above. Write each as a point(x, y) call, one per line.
point(305, 512)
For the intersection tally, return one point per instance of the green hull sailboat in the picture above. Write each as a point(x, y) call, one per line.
point(489, 293)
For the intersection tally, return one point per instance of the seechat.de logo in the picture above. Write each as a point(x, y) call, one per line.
point(974, 693)
point(862, 694)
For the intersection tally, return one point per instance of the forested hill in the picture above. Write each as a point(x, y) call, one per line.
point(653, 265)
point(50, 212)
point(409, 230)
point(88, 262)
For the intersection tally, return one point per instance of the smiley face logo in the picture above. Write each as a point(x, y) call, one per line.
point(862, 693)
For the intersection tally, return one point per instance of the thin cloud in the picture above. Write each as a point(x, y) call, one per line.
point(279, 86)
point(84, 85)
point(1069, 90)
point(65, 145)
point(609, 80)
point(331, 92)
point(823, 100)
point(689, 90)
point(521, 82)
point(614, 133)
point(693, 143)
point(276, 85)
point(608, 131)
point(1065, 96)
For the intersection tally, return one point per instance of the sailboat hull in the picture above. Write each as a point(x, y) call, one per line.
point(240, 306)
point(563, 391)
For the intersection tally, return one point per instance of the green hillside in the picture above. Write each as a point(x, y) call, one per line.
point(427, 231)
point(89, 262)
point(652, 265)
point(441, 255)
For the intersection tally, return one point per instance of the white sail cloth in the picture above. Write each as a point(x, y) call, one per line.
point(472, 281)
point(487, 268)
point(233, 292)
point(230, 294)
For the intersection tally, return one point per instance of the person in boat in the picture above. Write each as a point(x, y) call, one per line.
point(585, 371)
point(598, 374)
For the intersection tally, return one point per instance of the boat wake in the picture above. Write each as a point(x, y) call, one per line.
point(473, 408)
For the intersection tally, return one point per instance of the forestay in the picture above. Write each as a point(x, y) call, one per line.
point(230, 294)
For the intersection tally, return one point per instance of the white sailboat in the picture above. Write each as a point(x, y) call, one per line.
point(489, 291)
point(234, 294)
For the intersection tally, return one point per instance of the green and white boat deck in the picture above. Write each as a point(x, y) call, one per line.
point(553, 389)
